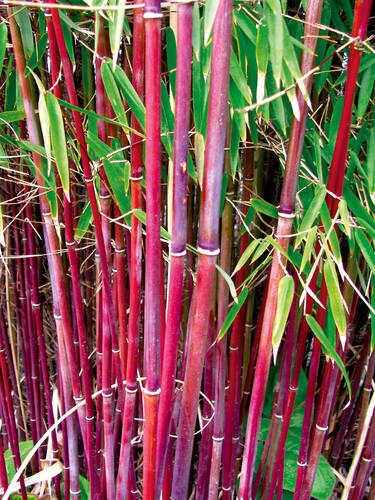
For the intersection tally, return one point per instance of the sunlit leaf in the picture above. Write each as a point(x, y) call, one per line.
point(234, 310)
point(284, 302)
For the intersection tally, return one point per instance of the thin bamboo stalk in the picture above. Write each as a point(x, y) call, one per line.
point(284, 227)
point(152, 322)
point(135, 265)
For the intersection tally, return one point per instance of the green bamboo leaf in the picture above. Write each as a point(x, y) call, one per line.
point(199, 147)
point(311, 214)
point(245, 23)
point(45, 126)
point(113, 93)
point(210, 10)
point(58, 141)
point(23, 20)
point(344, 213)
point(371, 164)
point(196, 30)
point(262, 247)
point(274, 20)
point(262, 49)
point(116, 29)
point(231, 285)
point(317, 148)
point(333, 239)
point(264, 207)
point(67, 36)
point(11, 116)
point(309, 246)
point(357, 208)
point(239, 78)
point(84, 222)
point(335, 297)
point(3, 43)
point(115, 173)
point(92, 114)
point(329, 348)
point(367, 85)
point(324, 72)
point(2, 238)
point(131, 96)
point(37, 54)
point(366, 248)
point(284, 303)
point(246, 255)
point(292, 93)
point(234, 310)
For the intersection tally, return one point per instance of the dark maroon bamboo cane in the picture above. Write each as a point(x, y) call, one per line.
point(285, 222)
point(208, 245)
point(179, 233)
point(135, 266)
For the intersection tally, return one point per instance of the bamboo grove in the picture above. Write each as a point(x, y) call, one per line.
point(187, 200)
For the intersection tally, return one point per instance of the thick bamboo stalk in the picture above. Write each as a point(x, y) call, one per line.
point(208, 245)
point(177, 250)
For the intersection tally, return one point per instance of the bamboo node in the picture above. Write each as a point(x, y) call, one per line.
point(134, 178)
point(280, 417)
point(35, 304)
point(286, 215)
point(78, 398)
point(292, 388)
point(233, 348)
point(366, 459)
point(152, 15)
point(119, 250)
point(70, 243)
point(89, 179)
point(75, 492)
point(218, 439)
point(205, 251)
point(320, 428)
point(226, 489)
point(57, 316)
point(177, 254)
point(89, 418)
point(301, 464)
point(130, 391)
point(152, 393)
point(109, 395)
point(116, 351)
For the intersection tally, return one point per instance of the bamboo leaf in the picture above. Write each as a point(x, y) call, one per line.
point(310, 241)
point(246, 255)
point(329, 348)
point(84, 222)
point(113, 93)
point(131, 96)
point(264, 207)
point(116, 29)
point(335, 297)
point(11, 116)
point(67, 36)
point(210, 10)
point(239, 78)
point(372, 315)
point(234, 310)
point(37, 54)
point(58, 141)
point(312, 213)
point(366, 248)
point(116, 177)
point(45, 126)
point(262, 247)
point(3, 43)
point(344, 213)
point(275, 36)
point(371, 164)
point(284, 302)
point(367, 85)
point(141, 216)
point(23, 20)
point(231, 285)
point(196, 35)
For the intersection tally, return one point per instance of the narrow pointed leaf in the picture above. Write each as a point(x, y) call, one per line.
point(229, 281)
point(45, 126)
point(329, 348)
point(284, 302)
point(234, 310)
point(335, 296)
point(113, 93)
point(58, 141)
point(307, 251)
point(3, 40)
point(312, 213)
point(366, 249)
point(131, 96)
point(84, 222)
point(246, 255)
point(209, 18)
